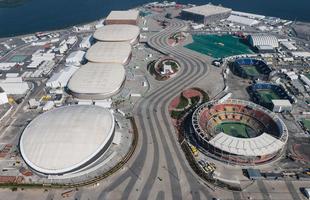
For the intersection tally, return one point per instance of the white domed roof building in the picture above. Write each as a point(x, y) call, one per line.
point(97, 81)
point(67, 139)
point(118, 33)
point(109, 52)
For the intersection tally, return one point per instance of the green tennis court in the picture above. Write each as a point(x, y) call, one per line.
point(251, 70)
point(235, 129)
point(306, 123)
point(18, 58)
point(267, 95)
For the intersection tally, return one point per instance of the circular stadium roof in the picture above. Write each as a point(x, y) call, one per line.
point(117, 33)
point(67, 138)
point(97, 80)
point(211, 114)
point(109, 52)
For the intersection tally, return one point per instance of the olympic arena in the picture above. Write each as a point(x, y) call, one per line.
point(251, 68)
point(239, 132)
point(67, 140)
point(264, 93)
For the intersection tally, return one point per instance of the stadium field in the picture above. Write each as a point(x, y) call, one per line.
point(235, 129)
point(267, 95)
point(251, 70)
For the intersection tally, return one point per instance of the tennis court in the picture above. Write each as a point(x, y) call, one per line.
point(18, 58)
point(306, 123)
point(267, 95)
point(251, 70)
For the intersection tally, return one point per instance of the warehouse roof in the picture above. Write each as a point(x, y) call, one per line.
point(123, 15)
point(207, 10)
point(97, 80)
point(66, 138)
point(281, 102)
point(117, 33)
point(242, 20)
point(264, 40)
point(109, 52)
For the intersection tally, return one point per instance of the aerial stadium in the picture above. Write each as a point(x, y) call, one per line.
point(67, 140)
point(239, 132)
point(97, 81)
point(264, 93)
point(250, 68)
point(118, 33)
point(109, 52)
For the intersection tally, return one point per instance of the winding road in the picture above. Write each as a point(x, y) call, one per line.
point(159, 168)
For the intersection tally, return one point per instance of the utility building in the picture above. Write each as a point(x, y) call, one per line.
point(123, 17)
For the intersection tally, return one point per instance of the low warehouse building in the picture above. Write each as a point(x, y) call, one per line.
point(123, 17)
point(3, 97)
point(206, 13)
point(67, 139)
point(281, 105)
point(263, 41)
point(60, 79)
point(97, 81)
point(75, 58)
point(118, 33)
point(109, 52)
point(242, 20)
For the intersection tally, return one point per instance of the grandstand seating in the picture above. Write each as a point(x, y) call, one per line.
point(219, 113)
point(208, 116)
point(239, 65)
point(277, 89)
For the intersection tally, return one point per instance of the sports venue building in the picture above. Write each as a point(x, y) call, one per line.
point(206, 13)
point(264, 93)
point(261, 41)
point(239, 132)
point(118, 33)
point(109, 52)
point(97, 81)
point(122, 17)
point(250, 68)
point(67, 140)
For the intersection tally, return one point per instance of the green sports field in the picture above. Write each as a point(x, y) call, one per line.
point(268, 95)
point(219, 46)
point(306, 123)
point(251, 70)
point(18, 58)
point(235, 129)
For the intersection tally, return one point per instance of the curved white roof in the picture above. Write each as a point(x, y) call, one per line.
point(117, 33)
point(264, 144)
point(66, 138)
point(264, 40)
point(97, 80)
point(109, 52)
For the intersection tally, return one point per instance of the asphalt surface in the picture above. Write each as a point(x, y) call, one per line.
point(159, 166)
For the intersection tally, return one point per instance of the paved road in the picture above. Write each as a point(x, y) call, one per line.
point(159, 168)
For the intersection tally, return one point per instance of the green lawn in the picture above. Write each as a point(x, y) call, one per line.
point(235, 129)
point(251, 70)
point(219, 46)
point(306, 123)
point(268, 95)
point(183, 102)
